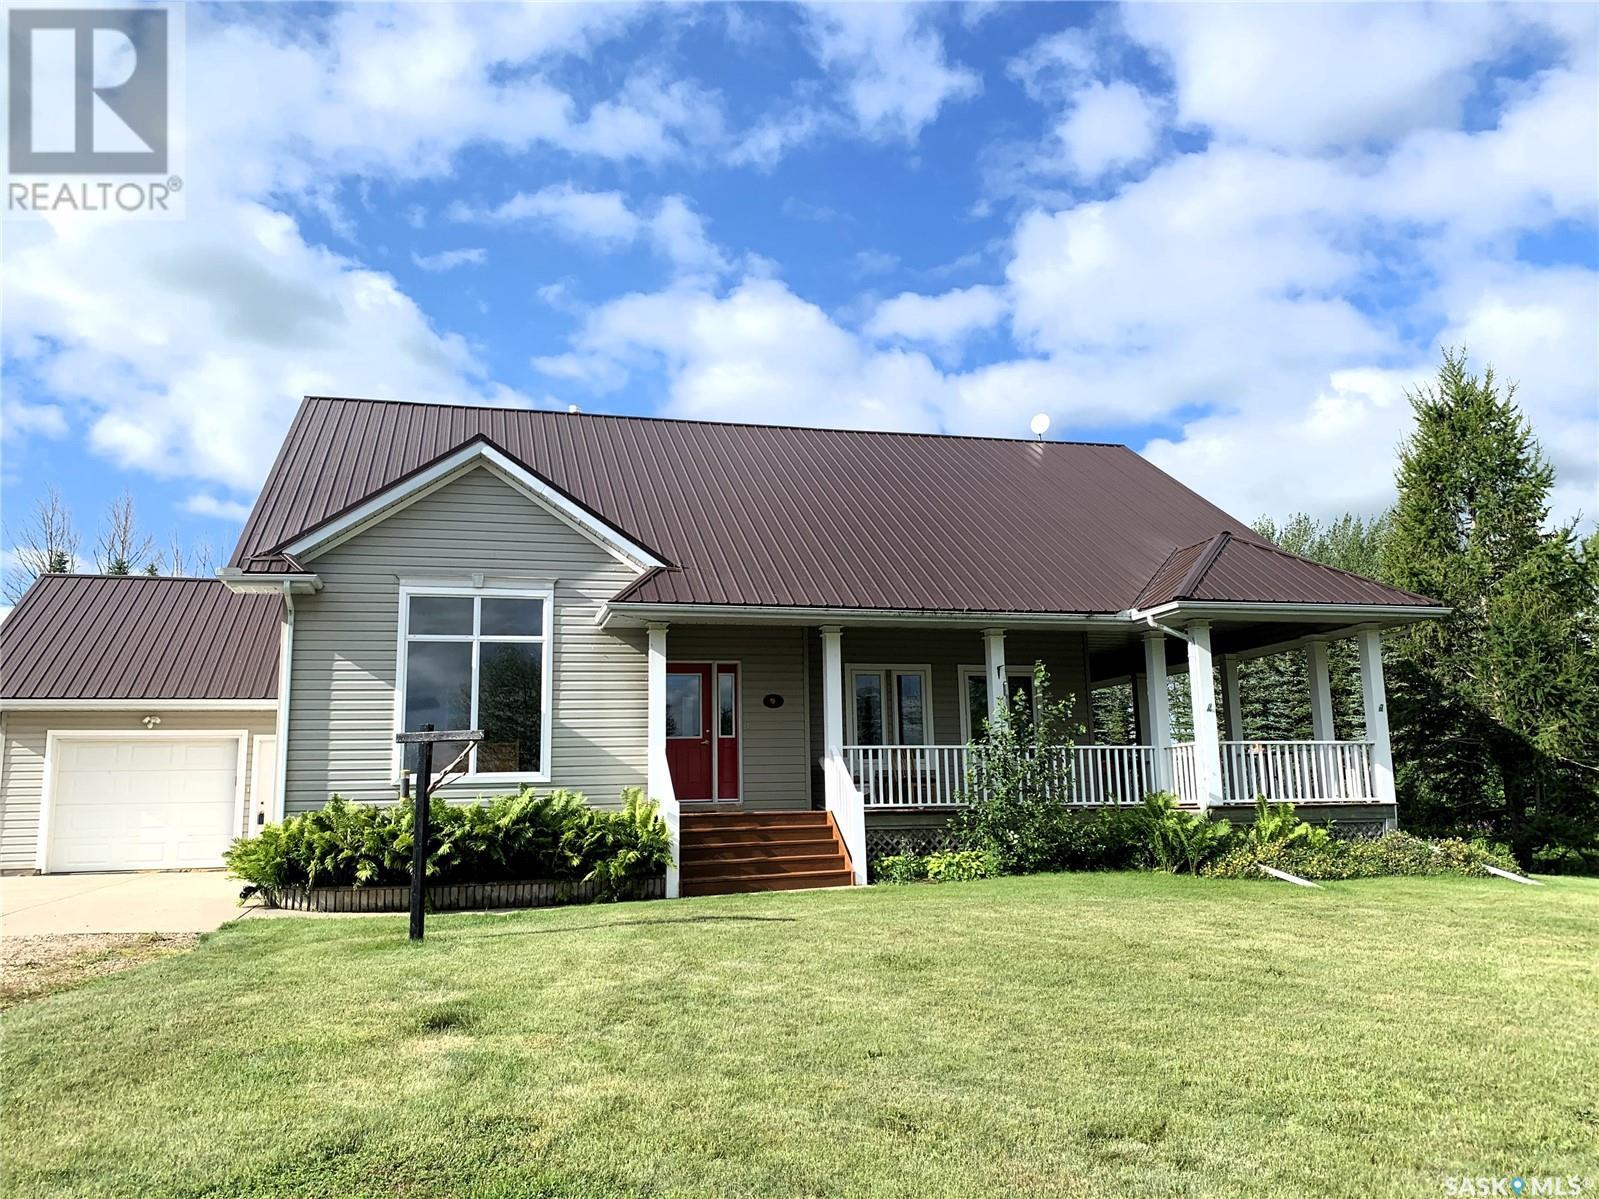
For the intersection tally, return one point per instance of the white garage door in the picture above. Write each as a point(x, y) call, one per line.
point(143, 803)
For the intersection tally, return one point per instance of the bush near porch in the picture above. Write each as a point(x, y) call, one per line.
point(519, 837)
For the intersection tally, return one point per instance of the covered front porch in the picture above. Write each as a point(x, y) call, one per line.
point(872, 722)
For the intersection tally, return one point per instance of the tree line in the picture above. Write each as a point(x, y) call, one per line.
point(51, 544)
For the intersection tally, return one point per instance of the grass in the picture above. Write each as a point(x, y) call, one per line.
point(1056, 1035)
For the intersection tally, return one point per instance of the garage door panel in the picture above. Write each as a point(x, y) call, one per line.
point(136, 804)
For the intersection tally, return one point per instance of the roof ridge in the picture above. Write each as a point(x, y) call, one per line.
point(138, 575)
point(738, 424)
point(1202, 564)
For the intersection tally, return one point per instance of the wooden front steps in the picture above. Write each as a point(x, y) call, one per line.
point(724, 853)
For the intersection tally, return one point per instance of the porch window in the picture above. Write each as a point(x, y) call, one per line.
point(479, 660)
point(889, 705)
point(974, 693)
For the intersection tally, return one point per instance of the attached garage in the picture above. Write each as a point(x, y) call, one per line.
point(153, 802)
point(166, 748)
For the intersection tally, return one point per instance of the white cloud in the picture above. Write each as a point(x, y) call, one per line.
point(940, 320)
point(601, 217)
point(448, 260)
point(678, 232)
point(1307, 76)
point(1109, 125)
point(42, 420)
point(896, 75)
point(204, 504)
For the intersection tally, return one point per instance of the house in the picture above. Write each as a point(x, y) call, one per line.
point(787, 635)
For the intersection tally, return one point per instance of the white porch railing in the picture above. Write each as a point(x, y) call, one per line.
point(899, 777)
point(1298, 771)
point(934, 776)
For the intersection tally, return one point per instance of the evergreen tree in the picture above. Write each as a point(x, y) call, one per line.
point(1493, 709)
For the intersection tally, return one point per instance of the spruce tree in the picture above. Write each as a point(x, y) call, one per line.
point(1493, 708)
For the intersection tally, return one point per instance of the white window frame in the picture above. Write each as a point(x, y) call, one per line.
point(547, 688)
point(890, 696)
point(981, 672)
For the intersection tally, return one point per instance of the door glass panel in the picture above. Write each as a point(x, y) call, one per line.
point(510, 708)
point(513, 617)
point(441, 615)
point(976, 704)
point(1022, 685)
point(869, 709)
point(684, 705)
point(909, 702)
point(726, 716)
point(438, 691)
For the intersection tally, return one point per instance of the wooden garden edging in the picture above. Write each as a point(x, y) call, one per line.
point(453, 897)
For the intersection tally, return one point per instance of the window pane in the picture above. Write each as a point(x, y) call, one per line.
point(510, 708)
point(438, 691)
point(726, 719)
point(908, 699)
point(684, 710)
point(869, 709)
point(447, 615)
point(976, 704)
point(513, 617)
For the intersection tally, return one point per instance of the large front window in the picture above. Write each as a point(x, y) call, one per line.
point(479, 660)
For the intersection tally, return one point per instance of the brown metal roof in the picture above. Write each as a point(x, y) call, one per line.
point(102, 637)
point(780, 516)
point(1228, 569)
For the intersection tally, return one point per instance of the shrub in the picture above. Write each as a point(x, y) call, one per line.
point(1173, 840)
point(963, 865)
point(900, 868)
point(1277, 824)
point(1015, 780)
point(1391, 855)
point(512, 837)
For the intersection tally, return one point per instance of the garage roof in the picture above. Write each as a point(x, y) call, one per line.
point(113, 637)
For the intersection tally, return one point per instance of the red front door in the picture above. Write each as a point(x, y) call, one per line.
point(689, 706)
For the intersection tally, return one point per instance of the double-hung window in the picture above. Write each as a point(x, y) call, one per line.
point(479, 660)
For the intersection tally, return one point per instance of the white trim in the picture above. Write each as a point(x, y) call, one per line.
point(964, 673)
point(139, 705)
point(54, 738)
point(546, 639)
point(637, 614)
point(263, 748)
point(446, 470)
point(658, 777)
point(244, 583)
point(280, 785)
point(924, 669)
point(1221, 610)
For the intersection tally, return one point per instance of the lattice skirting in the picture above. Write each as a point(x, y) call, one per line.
point(886, 842)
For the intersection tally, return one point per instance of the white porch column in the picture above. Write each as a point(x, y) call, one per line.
point(660, 774)
point(1202, 692)
point(1374, 698)
point(1157, 706)
point(1321, 708)
point(1142, 734)
point(1231, 702)
point(994, 660)
point(832, 712)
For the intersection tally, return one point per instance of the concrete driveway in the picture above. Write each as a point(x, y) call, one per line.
point(150, 902)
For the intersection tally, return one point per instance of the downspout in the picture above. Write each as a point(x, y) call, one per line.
point(285, 667)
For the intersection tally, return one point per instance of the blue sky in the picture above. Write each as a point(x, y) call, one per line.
point(1229, 236)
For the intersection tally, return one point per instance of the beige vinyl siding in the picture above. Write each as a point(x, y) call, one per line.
point(22, 764)
point(341, 715)
point(772, 662)
point(1064, 655)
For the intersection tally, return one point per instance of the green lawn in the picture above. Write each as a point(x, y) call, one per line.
point(1073, 1035)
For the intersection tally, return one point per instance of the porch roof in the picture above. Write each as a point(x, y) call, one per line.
point(756, 516)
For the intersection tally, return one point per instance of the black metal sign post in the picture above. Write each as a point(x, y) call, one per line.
point(424, 740)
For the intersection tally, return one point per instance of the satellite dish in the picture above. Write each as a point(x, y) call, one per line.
point(571, 407)
point(1040, 424)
